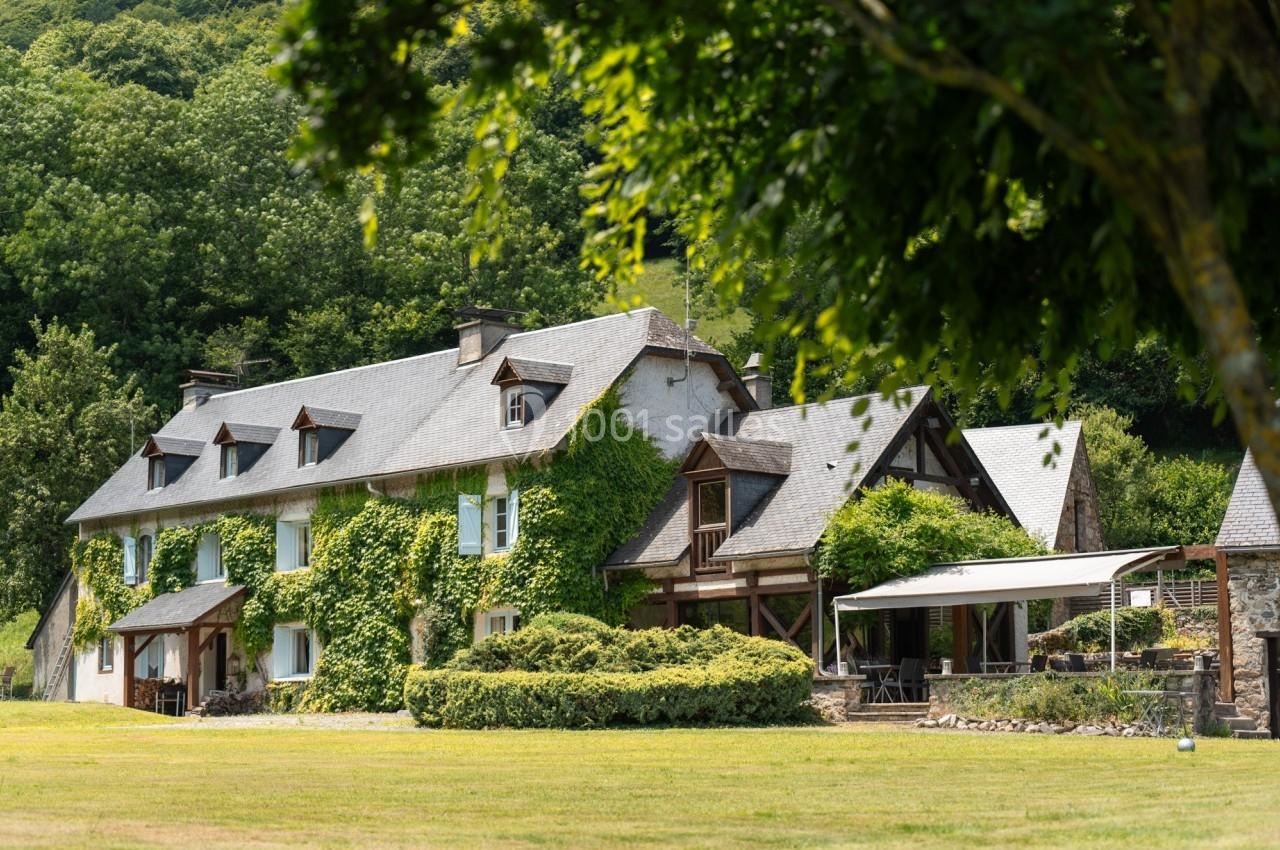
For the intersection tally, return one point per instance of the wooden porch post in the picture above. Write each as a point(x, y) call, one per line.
point(193, 667)
point(129, 658)
point(1227, 675)
point(960, 638)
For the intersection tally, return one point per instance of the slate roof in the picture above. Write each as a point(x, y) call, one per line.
point(177, 610)
point(537, 371)
point(262, 434)
point(175, 445)
point(324, 418)
point(792, 516)
point(1250, 521)
point(419, 413)
point(740, 454)
point(1014, 455)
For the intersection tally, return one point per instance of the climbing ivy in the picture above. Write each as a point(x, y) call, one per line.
point(171, 563)
point(99, 564)
point(248, 543)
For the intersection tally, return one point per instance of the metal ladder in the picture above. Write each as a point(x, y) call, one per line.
point(59, 669)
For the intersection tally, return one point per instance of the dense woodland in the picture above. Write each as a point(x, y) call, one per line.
point(148, 194)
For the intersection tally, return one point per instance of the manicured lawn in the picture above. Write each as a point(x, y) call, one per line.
point(92, 776)
point(14, 652)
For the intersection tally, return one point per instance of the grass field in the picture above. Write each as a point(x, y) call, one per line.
point(79, 776)
point(13, 649)
point(662, 286)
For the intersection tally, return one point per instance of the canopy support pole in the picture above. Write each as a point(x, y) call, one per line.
point(839, 650)
point(984, 639)
point(1113, 625)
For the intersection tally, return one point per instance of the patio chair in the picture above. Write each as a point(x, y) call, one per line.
point(909, 679)
point(973, 664)
point(868, 686)
point(1147, 660)
point(1076, 662)
point(1038, 663)
point(6, 683)
point(1057, 665)
point(1164, 658)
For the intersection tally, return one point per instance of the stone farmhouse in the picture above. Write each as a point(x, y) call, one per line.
point(731, 541)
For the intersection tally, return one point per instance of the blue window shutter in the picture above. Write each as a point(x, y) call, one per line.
point(286, 546)
point(513, 517)
point(470, 525)
point(130, 561)
point(281, 652)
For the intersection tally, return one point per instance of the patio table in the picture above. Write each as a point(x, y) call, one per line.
point(1004, 666)
point(881, 672)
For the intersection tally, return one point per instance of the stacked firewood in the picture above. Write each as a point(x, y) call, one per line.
point(222, 703)
point(145, 690)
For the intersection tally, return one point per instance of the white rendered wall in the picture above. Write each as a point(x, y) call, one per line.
point(672, 414)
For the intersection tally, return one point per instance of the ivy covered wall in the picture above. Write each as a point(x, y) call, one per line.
point(381, 563)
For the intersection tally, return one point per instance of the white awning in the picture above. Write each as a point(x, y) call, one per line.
point(1005, 580)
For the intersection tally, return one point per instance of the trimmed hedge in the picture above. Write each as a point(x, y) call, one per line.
point(586, 674)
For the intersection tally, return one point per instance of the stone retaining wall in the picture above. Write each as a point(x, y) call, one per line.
point(1200, 686)
point(835, 696)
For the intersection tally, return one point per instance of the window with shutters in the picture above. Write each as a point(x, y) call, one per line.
point(504, 521)
point(470, 525)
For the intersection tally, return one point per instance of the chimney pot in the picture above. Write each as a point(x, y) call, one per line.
point(758, 381)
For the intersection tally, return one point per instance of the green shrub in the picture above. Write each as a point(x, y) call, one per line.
point(575, 672)
point(285, 697)
point(1054, 698)
point(896, 531)
point(1136, 628)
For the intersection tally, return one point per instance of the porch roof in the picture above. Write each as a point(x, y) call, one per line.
point(1005, 580)
point(177, 611)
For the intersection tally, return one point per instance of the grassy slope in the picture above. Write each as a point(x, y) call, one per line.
point(113, 786)
point(13, 649)
point(662, 286)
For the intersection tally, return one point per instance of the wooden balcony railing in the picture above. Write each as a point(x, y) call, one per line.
point(705, 542)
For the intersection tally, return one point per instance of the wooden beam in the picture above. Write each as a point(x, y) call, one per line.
point(1202, 552)
point(908, 475)
point(1227, 673)
point(129, 655)
point(773, 621)
point(193, 668)
point(959, 637)
point(800, 621)
point(217, 627)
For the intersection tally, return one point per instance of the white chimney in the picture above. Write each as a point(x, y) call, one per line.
point(201, 384)
point(758, 382)
point(483, 329)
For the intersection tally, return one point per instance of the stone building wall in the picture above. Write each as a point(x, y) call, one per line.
point(1082, 497)
point(1253, 581)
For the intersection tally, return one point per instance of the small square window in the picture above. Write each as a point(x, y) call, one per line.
point(106, 654)
point(711, 503)
point(230, 461)
point(309, 448)
point(155, 473)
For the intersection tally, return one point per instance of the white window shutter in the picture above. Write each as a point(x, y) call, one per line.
point(470, 525)
point(513, 517)
point(281, 652)
point(207, 558)
point(130, 561)
point(286, 547)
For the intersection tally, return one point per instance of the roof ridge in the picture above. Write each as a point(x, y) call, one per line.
point(836, 401)
point(1063, 426)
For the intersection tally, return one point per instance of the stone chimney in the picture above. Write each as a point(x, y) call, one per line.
point(481, 331)
point(758, 382)
point(201, 384)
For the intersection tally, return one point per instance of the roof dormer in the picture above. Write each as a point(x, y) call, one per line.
point(321, 432)
point(167, 458)
point(241, 446)
point(528, 388)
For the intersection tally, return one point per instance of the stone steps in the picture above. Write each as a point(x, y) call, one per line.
point(1223, 710)
point(1262, 734)
point(888, 712)
point(1240, 725)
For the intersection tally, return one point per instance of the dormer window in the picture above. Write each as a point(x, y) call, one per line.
point(167, 458)
point(155, 473)
point(322, 432)
point(242, 445)
point(711, 504)
point(308, 447)
point(230, 461)
point(528, 387)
